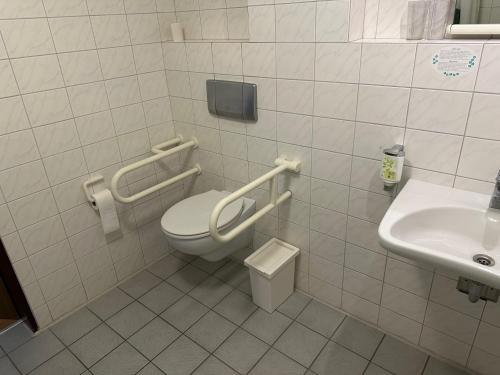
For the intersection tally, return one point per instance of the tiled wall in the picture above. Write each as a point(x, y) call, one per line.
point(209, 19)
point(83, 91)
point(332, 103)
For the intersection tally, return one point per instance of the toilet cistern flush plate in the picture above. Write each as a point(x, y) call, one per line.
point(445, 227)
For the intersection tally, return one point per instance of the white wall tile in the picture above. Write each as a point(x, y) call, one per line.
point(404, 303)
point(227, 58)
point(427, 76)
point(47, 107)
point(9, 88)
point(362, 286)
point(23, 180)
point(332, 23)
point(295, 96)
point(337, 62)
point(259, 59)
point(153, 85)
point(408, 277)
point(144, 28)
point(117, 62)
point(80, 67)
point(65, 166)
point(360, 307)
point(237, 22)
point(327, 247)
point(478, 159)
point(51, 259)
point(296, 129)
point(6, 223)
point(365, 234)
point(148, 57)
point(328, 222)
point(399, 325)
point(429, 110)
point(391, 19)
point(33, 208)
point(14, 115)
point(59, 137)
point(333, 135)
point(450, 322)
point(488, 75)
point(72, 34)
point(105, 6)
point(444, 345)
point(483, 112)
point(483, 362)
point(367, 205)
point(13, 247)
point(371, 139)
point(262, 23)
point(56, 8)
point(439, 152)
point(37, 73)
point(17, 148)
point(295, 22)
point(337, 100)
point(295, 60)
point(331, 166)
point(110, 31)
point(383, 105)
point(387, 64)
point(325, 292)
point(27, 37)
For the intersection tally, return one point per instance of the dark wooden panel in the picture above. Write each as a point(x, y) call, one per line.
point(14, 290)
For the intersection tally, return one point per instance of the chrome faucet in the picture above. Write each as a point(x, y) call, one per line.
point(495, 197)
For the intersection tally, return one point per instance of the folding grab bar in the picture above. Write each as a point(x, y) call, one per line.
point(159, 154)
point(274, 200)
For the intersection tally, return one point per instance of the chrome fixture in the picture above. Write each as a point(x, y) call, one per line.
point(477, 290)
point(495, 197)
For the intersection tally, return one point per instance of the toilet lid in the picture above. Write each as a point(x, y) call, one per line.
point(190, 216)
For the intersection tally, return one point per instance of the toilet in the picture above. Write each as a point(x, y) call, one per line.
point(185, 225)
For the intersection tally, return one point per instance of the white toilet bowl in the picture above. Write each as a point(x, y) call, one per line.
point(186, 225)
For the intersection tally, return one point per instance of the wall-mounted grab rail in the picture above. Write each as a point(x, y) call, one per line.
point(159, 154)
point(274, 200)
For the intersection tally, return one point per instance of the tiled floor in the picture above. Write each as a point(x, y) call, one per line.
point(198, 318)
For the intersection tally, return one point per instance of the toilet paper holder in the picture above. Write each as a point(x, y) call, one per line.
point(86, 189)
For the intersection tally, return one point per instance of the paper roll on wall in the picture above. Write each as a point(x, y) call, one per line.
point(106, 204)
point(177, 33)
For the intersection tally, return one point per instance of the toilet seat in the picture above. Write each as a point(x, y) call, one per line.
point(189, 218)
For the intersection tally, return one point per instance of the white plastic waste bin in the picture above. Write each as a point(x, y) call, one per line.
point(272, 269)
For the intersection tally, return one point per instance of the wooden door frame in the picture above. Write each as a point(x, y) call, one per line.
point(14, 288)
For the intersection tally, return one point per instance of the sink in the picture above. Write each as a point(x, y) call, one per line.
point(445, 227)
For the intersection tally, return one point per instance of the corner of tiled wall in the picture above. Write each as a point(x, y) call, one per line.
point(331, 103)
point(83, 92)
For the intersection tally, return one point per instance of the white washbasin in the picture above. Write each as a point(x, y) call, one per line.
point(444, 227)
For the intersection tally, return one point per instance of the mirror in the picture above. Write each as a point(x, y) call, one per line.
point(475, 17)
point(477, 12)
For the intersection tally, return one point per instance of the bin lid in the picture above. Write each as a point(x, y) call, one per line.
point(271, 257)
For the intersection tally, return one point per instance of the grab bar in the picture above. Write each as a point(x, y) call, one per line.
point(274, 200)
point(159, 154)
point(159, 148)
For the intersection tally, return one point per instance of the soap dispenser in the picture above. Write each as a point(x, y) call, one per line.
point(392, 166)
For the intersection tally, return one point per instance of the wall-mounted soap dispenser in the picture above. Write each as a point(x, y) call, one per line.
point(392, 166)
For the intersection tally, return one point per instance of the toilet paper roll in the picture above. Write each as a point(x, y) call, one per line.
point(106, 204)
point(177, 33)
